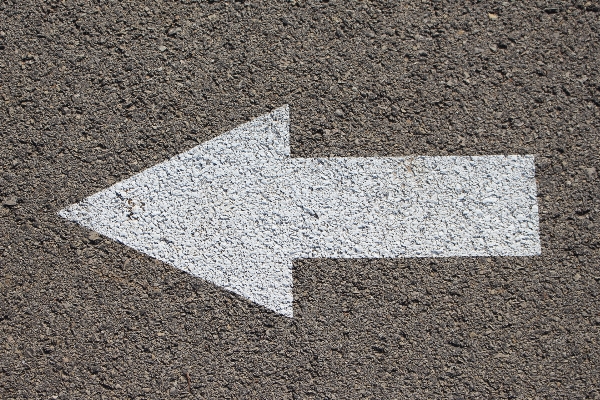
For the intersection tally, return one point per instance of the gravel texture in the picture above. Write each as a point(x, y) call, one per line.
point(93, 93)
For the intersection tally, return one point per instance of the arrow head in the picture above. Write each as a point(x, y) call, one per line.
point(214, 211)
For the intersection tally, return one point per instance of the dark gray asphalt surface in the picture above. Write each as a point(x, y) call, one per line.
point(91, 92)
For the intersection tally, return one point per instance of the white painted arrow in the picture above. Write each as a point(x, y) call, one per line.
point(237, 209)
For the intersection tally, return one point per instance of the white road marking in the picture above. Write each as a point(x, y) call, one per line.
point(236, 210)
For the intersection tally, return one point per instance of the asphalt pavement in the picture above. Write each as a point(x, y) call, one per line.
point(94, 92)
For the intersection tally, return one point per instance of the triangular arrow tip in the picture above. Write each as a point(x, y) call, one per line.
point(178, 212)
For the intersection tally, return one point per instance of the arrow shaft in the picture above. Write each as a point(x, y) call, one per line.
point(411, 207)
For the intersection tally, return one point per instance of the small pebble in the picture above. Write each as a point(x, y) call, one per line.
point(10, 201)
point(173, 32)
point(94, 237)
point(590, 173)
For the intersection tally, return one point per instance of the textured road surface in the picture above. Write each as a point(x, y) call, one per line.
point(92, 92)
